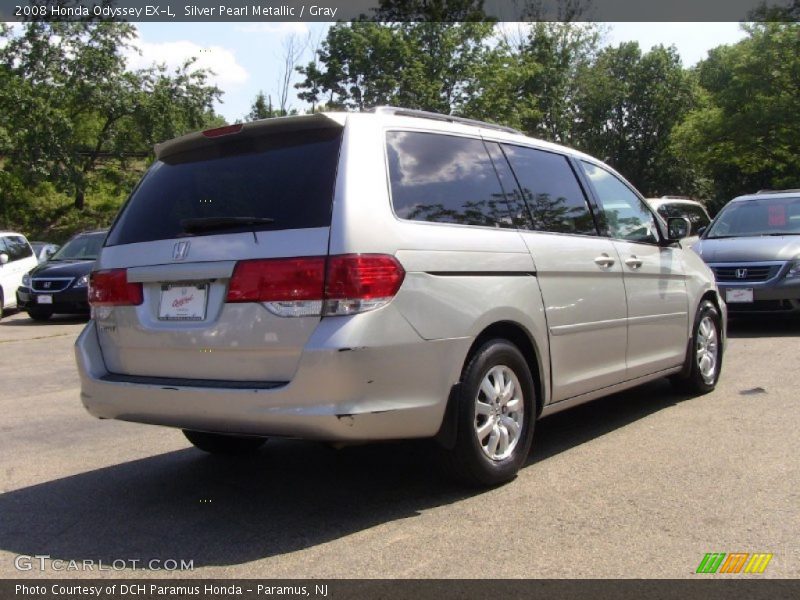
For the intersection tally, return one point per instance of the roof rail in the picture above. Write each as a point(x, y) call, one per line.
point(792, 191)
point(424, 114)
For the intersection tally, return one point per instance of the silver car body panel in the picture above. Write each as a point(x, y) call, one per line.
point(387, 373)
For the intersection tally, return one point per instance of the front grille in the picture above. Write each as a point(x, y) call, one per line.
point(51, 285)
point(745, 273)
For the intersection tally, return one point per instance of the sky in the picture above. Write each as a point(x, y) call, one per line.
point(246, 57)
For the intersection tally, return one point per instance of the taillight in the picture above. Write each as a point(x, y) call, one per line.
point(306, 286)
point(292, 287)
point(111, 288)
point(220, 131)
point(360, 282)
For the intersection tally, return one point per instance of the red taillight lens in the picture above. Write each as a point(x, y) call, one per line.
point(362, 277)
point(288, 279)
point(304, 286)
point(111, 288)
point(220, 131)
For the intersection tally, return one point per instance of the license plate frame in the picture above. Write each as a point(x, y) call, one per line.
point(184, 301)
point(739, 295)
point(44, 299)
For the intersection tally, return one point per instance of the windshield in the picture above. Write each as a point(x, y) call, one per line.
point(760, 216)
point(85, 246)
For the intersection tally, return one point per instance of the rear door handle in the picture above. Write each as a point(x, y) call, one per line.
point(604, 260)
point(633, 262)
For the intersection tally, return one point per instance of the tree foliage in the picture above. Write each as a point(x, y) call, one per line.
point(74, 117)
point(745, 132)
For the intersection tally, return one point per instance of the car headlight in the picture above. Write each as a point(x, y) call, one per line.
point(794, 270)
point(82, 281)
point(26, 280)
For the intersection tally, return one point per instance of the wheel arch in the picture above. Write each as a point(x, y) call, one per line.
point(518, 335)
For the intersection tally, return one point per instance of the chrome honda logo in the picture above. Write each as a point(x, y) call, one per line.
point(741, 273)
point(46, 285)
point(180, 251)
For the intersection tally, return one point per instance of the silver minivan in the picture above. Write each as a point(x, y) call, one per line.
point(386, 275)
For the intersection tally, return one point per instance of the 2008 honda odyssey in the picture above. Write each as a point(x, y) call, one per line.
point(385, 275)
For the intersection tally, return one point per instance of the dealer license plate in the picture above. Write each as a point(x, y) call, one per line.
point(739, 295)
point(44, 299)
point(183, 302)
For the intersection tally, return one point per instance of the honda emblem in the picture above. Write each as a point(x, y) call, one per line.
point(741, 273)
point(180, 251)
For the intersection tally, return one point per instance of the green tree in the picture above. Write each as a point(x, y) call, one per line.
point(415, 65)
point(71, 106)
point(745, 131)
point(628, 106)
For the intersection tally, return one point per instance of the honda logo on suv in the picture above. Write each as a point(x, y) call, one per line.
point(740, 273)
point(180, 251)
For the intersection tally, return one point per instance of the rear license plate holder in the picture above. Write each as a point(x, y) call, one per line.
point(183, 302)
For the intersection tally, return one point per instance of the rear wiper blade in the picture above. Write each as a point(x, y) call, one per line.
point(217, 223)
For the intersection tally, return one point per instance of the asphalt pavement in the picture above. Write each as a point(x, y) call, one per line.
point(640, 484)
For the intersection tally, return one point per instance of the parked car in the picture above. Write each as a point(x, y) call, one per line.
point(681, 206)
point(60, 284)
point(386, 275)
point(753, 247)
point(16, 259)
point(44, 250)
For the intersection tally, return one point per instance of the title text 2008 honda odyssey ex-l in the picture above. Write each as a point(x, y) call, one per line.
point(386, 275)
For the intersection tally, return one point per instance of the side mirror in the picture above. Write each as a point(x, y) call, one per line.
point(3, 258)
point(702, 230)
point(678, 228)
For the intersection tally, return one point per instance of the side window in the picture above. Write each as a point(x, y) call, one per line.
point(444, 179)
point(520, 216)
point(18, 248)
point(3, 247)
point(551, 190)
point(625, 214)
point(697, 218)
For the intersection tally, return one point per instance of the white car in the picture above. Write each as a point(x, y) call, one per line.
point(16, 259)
point(680, 206)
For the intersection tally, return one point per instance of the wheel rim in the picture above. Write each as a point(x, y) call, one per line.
point(499, 412)
point(707, 349)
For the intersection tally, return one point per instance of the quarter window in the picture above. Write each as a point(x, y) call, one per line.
point(551, 191)
point(444, 179)
point(626, 216)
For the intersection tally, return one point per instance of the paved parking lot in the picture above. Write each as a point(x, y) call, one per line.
point(641, 484)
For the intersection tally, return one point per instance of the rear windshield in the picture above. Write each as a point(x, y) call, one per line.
point(284, 180)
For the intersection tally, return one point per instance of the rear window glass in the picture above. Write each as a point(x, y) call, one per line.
point(551, 190)
point(444, 179)
point(286, 178)
point(17, 248)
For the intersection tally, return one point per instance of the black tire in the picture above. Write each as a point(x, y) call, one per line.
point(699, 380)
point(219, 443)
point(38, 314)
point(468, 460)
point(2, 301)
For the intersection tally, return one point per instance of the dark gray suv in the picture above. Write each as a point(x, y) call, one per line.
point(753, 247)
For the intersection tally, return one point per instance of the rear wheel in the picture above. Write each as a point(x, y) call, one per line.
point(219, 443)
point(496, 415)
point(705, 354)
point(38, 314)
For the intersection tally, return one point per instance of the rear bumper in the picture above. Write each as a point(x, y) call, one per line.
point(69, 301)
point(391, 391)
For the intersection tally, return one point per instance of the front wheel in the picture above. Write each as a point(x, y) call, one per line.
point(496, 415)
point(219, 443)
point(705, 353)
